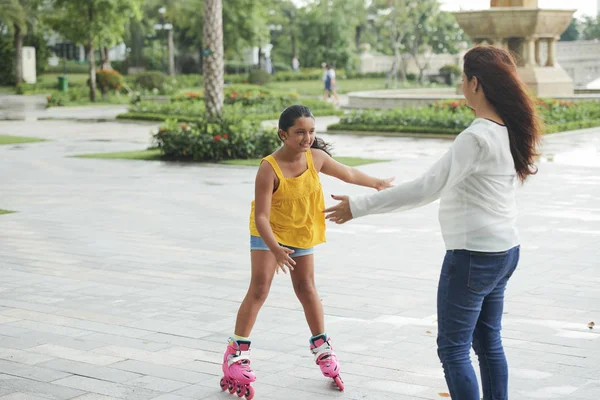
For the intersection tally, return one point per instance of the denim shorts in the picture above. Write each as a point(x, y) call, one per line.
point(256, 243)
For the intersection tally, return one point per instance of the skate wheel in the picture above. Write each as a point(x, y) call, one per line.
point(223, 384)
point(231, 388)
point(241, 391)
point(249, 393)
point(339, 382)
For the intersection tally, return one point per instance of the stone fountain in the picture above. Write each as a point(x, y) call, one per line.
point(523, 28)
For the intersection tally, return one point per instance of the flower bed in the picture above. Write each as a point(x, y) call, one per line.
point(251, 104)
point(203, 140)
point(449, 117)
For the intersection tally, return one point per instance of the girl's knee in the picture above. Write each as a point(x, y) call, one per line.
point(259, 292)
point(305, 288)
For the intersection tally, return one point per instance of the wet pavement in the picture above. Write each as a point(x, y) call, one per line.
point(121, 279)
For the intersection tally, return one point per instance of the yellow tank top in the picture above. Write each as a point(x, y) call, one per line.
point(297, 206)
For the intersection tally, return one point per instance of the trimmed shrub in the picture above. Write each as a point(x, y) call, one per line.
point(259, 77)
point(151, 80)
point(228, 138)
point(109, 79)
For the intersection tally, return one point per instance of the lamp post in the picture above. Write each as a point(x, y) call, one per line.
point(169, 28)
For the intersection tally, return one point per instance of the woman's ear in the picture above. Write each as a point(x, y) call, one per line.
point(474, 84)
point(282, 134)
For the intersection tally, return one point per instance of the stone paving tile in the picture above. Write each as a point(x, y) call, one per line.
point(12, 384)
point(129, 274)
point(107, 388)
point(105, 373)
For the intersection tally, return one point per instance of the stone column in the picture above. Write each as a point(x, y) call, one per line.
point(538, 57)
point(551, 52)
point(529, 51)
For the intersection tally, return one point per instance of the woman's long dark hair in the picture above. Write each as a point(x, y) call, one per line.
point(288, 118)
point(496, 73)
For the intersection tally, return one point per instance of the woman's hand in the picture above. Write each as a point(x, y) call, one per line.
point(382, 184)
point(341, 212)
point(282, 255)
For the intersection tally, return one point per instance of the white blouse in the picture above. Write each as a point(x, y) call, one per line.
point(475, 180)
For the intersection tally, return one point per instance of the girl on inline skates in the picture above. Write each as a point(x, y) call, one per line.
point(286, 222)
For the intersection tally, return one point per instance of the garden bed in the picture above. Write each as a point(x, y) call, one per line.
point(254, 104)
point(449, 118)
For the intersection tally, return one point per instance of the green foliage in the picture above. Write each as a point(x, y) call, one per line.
point(259, 77)
point(7, 54)
point(572, 32)
point(326, 29)
point(79, 95)
point(227, 138)
point(590, 28)
point(451, 73)
point(244, 23)
point(454, 116)
point(109, 80)
point(104, 21)
point(151, 80)
point(70, 67)
point(56, 100)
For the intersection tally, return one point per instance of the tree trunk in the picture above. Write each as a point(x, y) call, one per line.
point(403, 68)
point(357, 34)
point(171, 52)
point(294, 55)
point(213, 62)
point(259, 57)
point(104, 58)
point(18, 42)
point(92, 64)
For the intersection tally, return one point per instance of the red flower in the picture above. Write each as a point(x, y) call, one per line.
point(225, 136)
point(184, 127)
point(217, 138)
point(454, 104)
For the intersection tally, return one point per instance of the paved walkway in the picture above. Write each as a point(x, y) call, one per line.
point(121, 279)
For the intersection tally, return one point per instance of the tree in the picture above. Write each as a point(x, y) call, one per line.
point(94, 23)
point(213, 57)
point(591, 28)
point(392, 23)
point(13, 14)
point(327, 28)
point(572, 32)
point(244, 23)
point(431, 32)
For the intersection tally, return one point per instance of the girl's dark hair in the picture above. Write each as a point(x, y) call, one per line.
point(496, 73)
point(288, 118)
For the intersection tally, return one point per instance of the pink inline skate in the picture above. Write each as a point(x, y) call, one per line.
point(237, 374)
point(320, 346)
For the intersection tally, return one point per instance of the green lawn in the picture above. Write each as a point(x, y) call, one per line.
point(155, 154)
point(5, 211)
point(148, 154)
point(8, 139)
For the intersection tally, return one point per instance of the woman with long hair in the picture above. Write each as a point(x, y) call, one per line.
point(475, 182)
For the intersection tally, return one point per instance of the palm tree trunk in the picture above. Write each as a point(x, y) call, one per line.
point(18, 42)
point(213, 60)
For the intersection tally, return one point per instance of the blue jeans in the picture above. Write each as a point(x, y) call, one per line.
point(470, 303)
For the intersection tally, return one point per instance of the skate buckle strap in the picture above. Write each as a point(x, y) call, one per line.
point(323, 349)
point(240, 356)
